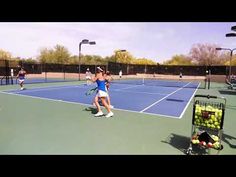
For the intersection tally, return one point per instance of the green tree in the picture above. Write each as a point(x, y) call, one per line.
point(4, 55)
point(92, 60)
point(74, 60)
point(179, 60)
point(59, 54)
point(30, 60)
point(143, 61)
point(123, 57)
point(46, 55)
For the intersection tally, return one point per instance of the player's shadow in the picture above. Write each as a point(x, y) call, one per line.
point(182, 143)
point(228, 92)
point(91, 109)
point(226, 138)
point(176, 100)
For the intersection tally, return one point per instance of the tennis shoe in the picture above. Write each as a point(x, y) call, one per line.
point(110, 114)
point(111, 106)
point(99, 114)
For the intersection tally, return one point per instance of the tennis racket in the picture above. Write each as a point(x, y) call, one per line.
point(91, 91)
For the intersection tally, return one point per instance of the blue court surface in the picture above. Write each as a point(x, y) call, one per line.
point(39, 80)
point(157, 100)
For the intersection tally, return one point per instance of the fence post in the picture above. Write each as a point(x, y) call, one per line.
point(127, 69)
point(45, 70)
point(64, 72)
point(7, 71)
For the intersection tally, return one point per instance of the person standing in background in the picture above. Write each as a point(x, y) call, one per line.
point(88, 76)
point(120, 74)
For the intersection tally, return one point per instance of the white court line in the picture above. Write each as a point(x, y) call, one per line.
point(18, 94)
point(189, 102)
point(165, 97)
point(84, 104)
point(45, 87)
point(140, 92)
point(36, 89)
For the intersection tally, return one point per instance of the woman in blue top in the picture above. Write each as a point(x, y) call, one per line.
point(102, 93)
point(21, 77)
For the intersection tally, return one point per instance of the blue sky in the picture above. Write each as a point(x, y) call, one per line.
point(158, 41)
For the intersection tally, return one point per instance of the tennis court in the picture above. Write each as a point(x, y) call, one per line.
point(35, 121)
point(131, 95)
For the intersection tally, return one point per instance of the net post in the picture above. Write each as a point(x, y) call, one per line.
point(209, 79)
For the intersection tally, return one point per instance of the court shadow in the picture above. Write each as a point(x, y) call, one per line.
point(226, 138)
point(91, 109)
point(182, 143)
point(231, 107)
point(227, 92)
point(176, 100)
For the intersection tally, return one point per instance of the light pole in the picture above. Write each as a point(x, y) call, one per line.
point(84, 41)
point(231, 56)
point(233, 28)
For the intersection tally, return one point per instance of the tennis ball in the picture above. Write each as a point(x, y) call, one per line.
point(215, 138)
point(218, 127)
point(195, 141)
point(216, 145)
point(220, 113)
point(216, 123)
point(203, 143)
point(209, 144)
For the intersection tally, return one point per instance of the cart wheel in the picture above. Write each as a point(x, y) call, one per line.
point(221, 147)
point(189, 151)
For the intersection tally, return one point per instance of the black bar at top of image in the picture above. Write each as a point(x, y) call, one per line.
point(120, 11)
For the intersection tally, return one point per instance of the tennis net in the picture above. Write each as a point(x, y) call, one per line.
point(188, 82)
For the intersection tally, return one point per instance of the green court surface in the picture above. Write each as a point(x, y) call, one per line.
point(38, 126)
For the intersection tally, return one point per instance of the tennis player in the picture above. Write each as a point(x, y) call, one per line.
point(102, 93)
point(21, 78)
point(180, 75)
point(88, 76)
point(108, 79)
point(120, 74)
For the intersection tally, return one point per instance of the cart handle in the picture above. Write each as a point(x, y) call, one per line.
point(206, 96)
point(209, 96)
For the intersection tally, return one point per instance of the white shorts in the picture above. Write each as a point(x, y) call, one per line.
point(88, 77)
point(21, 80)
point(102, 93)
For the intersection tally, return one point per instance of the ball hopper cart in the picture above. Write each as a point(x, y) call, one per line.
point(207, 123)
